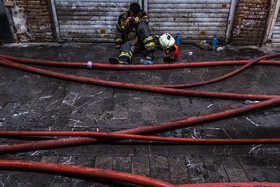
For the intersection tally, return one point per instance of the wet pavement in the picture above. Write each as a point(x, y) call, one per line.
point(34, 102)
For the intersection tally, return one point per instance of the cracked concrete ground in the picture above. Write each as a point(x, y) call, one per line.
point(34, 102)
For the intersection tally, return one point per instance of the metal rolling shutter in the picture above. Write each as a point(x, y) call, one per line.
point(276, 31)
point(195, 20)
point(87, 20)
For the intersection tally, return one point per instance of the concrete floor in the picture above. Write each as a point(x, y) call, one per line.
point(34, 102)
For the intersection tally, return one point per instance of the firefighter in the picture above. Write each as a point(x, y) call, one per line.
point(170, 48)
point(133, 34)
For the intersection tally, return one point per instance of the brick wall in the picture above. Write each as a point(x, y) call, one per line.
point(249, 23)
point(32, 21)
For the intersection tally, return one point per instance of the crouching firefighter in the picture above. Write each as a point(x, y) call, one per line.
point(170, 48)
point(133, 34)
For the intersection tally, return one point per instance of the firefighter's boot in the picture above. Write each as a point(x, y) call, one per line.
point(120, 60)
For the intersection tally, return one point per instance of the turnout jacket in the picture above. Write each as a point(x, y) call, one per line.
point(122, 31)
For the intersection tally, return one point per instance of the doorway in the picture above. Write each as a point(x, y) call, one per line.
point(5, 31)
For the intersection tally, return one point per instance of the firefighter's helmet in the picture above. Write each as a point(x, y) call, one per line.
point(166, 41)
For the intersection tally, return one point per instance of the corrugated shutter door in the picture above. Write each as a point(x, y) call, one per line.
point(89, 20)
point(275, 38)
point(194, 19)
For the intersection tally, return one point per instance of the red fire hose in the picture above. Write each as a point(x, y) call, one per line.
point(75, 64)
point(141, 87)
point(71, 170)
point(116, 135)
point(136, 67)
point(63, 142)
point(251, 62)
point(81, 171)
point(45, 62)
point(93, 173)
point(233, 184)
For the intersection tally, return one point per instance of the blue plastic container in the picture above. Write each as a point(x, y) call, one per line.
point(177, 39)
point(214, 42)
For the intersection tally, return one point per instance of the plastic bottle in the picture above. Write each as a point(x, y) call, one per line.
point(214, 41)
point(220, 49)
point(248, 102)
point(145, 61)
point(177, 39)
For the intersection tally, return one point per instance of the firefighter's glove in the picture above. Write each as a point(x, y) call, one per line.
point(134, 21)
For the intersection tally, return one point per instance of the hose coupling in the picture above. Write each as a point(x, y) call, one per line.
point(89, 64)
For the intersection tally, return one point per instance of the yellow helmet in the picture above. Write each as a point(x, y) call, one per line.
point(166, 41)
